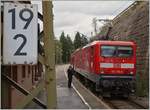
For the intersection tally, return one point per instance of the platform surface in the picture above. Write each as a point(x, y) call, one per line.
point(67, 98)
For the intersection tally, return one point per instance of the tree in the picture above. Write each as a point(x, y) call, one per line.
point(67, 47)
point(80, 41)
point(58, 52)
point(84, 40)
point(70, 43)
point(63, 42)
point(77, 41)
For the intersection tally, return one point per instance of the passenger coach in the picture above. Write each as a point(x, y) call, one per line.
point(109, 65)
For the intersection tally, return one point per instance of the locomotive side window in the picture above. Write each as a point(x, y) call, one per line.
point(116, 51)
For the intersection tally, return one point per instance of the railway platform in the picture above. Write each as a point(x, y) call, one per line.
point(77, 97)
point(66, 98)
point(74, 98)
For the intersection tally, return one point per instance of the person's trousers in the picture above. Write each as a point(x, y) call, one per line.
point(69, 82)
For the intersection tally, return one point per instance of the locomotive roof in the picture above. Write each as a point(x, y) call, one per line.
point(117, 42)
point(110, 43)
point(106, 43)
point(76, 50)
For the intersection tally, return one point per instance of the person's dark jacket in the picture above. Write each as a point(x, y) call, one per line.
point(70, 72)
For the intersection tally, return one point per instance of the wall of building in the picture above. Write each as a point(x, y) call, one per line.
point(133, 25)
point(26, 76)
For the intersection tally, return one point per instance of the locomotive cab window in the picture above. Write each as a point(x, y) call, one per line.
point(116, 51)
point(108, 51)
point(124, 51)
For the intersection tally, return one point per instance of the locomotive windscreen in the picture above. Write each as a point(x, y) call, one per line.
point(116, 51)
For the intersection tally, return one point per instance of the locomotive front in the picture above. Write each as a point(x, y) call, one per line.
point(117, 67)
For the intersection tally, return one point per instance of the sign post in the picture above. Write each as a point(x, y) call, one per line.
point(49, 50)
point(20, 34)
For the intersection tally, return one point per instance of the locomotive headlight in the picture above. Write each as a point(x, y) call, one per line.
point(131, 72)
point(102, 72)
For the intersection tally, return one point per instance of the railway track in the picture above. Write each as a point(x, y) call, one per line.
point(123, 104)
point(137, 104)
point(117, 102)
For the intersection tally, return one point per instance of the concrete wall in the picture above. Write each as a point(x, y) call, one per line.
point(133, 25)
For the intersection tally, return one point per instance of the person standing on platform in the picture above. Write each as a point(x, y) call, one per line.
point(70, 72)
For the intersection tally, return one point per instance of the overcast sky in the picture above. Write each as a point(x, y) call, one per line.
point(72, 16)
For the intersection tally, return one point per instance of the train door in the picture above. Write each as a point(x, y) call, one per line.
point(72, 61)
point(86, 59)
point(92, 59)
point(80, 58)
point(83, 59)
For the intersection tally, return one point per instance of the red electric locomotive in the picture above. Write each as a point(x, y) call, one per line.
point(109, 65)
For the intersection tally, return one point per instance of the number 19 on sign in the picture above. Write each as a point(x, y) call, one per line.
point(20, 34)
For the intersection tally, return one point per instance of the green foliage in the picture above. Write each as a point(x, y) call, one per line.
point(80, 41)
point(70, 44)
point(67, 47)
point(58, 52)
point(84, 40)
point(77, 40)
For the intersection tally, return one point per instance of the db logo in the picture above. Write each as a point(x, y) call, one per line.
point(117, 65)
